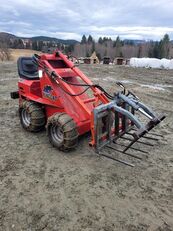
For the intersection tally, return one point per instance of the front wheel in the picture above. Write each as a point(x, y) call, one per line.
point(62, 131)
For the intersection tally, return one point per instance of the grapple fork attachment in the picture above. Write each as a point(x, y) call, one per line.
point(117, 119)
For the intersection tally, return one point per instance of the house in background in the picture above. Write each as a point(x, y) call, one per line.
point(93, 59)
point(119, 61)
point(106, 60)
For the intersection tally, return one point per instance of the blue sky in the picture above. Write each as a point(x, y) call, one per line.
point(70, 19)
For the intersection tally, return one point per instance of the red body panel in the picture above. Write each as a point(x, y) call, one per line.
point(47, 91)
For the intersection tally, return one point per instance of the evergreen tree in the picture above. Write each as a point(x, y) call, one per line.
point(117, 44)
point(164, 46)
point(100, 40)
point(90, 39)
point(105, 39)
point(84, 40)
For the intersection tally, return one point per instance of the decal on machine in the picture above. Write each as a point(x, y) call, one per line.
point(48, 92)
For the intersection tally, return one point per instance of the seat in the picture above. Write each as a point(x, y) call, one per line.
point(27, 69)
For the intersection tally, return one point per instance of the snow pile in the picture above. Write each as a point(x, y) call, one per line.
point(151, 63)
point(171, 64)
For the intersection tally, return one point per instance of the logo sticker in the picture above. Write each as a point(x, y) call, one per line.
point(48, 93)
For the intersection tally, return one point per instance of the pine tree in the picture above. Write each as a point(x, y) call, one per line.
point(117, 44)
point(100, 40)
point(90, 39)
point(84, 40)
point(164, 46)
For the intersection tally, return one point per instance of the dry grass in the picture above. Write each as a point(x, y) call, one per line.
point(16, 53)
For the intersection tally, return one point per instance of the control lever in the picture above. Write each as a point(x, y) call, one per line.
point(122, 86)
point(131, 93)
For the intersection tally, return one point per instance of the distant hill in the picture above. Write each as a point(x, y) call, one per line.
point(133, 41)
point(50, 39)
point(8, 36)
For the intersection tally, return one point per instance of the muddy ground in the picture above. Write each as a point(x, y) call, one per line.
point(42, 188)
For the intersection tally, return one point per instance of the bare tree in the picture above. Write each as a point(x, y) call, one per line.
point(5, 53)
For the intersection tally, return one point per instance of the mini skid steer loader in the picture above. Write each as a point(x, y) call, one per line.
point(52, 92)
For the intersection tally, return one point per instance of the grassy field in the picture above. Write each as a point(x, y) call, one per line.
point(16, 53)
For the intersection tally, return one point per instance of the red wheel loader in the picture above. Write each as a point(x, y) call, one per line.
point(53, 92)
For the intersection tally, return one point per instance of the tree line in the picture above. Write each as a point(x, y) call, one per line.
point(105, 46)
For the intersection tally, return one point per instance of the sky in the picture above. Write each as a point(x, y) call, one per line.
point(70, 19)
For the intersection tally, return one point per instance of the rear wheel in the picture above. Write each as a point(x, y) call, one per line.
point(62, 131)
point(32, 116)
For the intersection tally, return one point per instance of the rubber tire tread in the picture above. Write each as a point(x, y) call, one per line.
point(69, 128)
point(37, 115)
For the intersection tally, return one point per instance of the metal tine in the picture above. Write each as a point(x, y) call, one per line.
point(150, 138)
point(128, 154)
point(155, 134)
point(151, 133)
point(120, 161)
point(137, 141)
point(136, 149)
point(129, 146)
point(146, 137)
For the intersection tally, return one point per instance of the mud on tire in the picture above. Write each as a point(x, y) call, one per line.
point(32, 116)
point(62, 132)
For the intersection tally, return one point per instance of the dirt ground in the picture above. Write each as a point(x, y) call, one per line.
point(42, 188)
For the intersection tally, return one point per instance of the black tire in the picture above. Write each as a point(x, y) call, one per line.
point(32, 116)
point(62, 131)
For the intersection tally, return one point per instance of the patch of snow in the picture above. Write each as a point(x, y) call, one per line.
point(151, 63)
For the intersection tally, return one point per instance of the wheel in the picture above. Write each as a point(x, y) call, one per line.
point(32, 116)
point(62, 131)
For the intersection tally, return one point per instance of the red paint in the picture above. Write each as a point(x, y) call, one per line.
point(78, 107)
